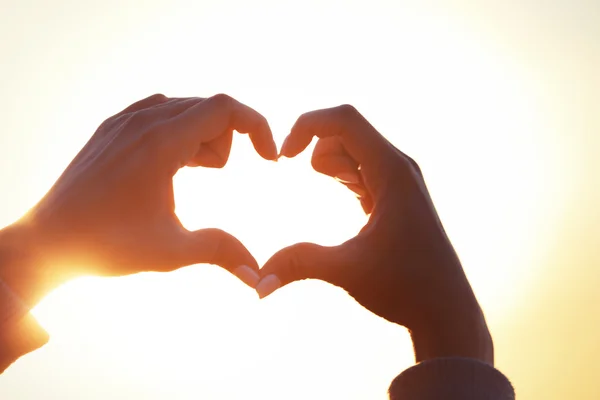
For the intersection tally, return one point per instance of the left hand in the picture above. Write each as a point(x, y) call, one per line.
point(112, 211)
point(401, 265)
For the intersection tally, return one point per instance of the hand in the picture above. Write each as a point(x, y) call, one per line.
point(112, 211)
point(401, 266)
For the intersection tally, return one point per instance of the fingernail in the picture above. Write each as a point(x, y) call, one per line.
point(348, 177)
point(268, 285)
point(247, 275)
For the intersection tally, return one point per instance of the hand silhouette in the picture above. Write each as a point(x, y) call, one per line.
point(112, 210)
point(112, 213)
point(401, 266)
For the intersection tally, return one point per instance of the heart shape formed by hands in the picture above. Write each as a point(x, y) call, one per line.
point(113, 212)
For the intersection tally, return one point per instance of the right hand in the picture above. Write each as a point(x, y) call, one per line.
point(401, 266)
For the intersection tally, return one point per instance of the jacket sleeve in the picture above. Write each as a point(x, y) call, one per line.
point(451, 379)
point(20, 333)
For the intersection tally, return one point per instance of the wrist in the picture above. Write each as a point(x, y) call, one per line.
point(466, 337)
point(24, 266)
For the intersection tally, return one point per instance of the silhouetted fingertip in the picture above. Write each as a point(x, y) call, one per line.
point(273, 154)
point(247, 275)
point(267, 285)
point(284, 152)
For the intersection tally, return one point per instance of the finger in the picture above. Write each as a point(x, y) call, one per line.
point(214, 246)
point(208, 119)
point(358, 189)
point(246, 120)
point(367, 204)
point(359, 138)
point(305, 261)
point(330, 158)
point(215, 153)
point(145, 103)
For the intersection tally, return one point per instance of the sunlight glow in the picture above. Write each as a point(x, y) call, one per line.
point(460, 104)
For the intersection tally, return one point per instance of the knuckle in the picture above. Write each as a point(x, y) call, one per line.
point(404, 164)
point(214, 241)
point(217, 234)
point(303, 120)
point(262, 122)
point(408, 164)
point(221, 99)
point(347, 110)
point(304, 116)
point(107, 124)
point(407, 170)
point(296, 262)
point(414, 165)
point(157, 97)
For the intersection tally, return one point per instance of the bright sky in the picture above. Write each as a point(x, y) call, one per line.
point(497, 102)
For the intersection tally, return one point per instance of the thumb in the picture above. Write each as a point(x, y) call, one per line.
point(304, 261)
point(214, 246)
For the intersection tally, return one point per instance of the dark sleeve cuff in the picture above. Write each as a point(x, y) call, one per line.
point(451, 379)
point(20, 333)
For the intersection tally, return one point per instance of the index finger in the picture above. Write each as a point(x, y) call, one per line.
point(360, 139)
point(214, 116)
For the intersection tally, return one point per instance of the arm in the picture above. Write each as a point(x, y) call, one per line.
point(401, 266)
point(112, 212)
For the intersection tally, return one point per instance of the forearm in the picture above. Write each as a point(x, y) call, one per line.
point(454, 352)
point(456, 326)
point(454, 361)
point(466, 335)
